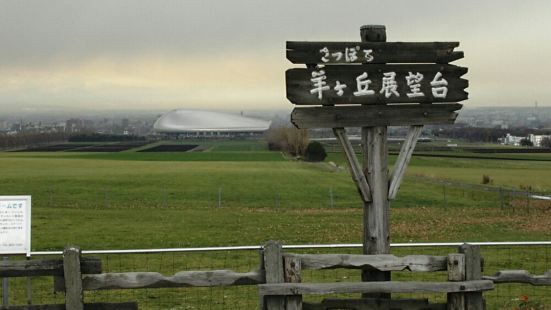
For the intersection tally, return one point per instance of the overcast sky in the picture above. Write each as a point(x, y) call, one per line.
point(231, 54)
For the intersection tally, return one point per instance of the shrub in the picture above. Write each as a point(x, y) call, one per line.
point(486, 179)
point(315, 151)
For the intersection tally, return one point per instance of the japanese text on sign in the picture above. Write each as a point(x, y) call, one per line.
point(389, 86)
point(15, 224)
point(349, 54)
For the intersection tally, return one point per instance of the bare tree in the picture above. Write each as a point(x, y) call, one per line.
point(297, 139)
point(288, 139)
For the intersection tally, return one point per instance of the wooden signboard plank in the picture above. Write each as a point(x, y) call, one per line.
point(374, 115)
point(376, 84)
point(372, 52)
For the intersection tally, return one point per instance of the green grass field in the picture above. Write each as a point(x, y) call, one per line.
point(155, 200)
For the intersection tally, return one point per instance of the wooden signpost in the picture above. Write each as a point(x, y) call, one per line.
point(374, 84)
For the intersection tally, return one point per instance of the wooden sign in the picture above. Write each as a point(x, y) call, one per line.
point(372, 52)
point(376, 84)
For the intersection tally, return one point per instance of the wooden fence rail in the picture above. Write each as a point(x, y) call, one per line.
point(46, 267)
point(382, 262)
point(286, 289)
point(374, 304)
point(279, 279)
point(136, 280)
point(464, 288)
point(520, 276)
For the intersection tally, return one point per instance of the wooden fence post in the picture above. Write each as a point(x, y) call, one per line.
point(456, 272)
point(292, 275)
point(273, 266)
point(473, 271)
point(74, 299)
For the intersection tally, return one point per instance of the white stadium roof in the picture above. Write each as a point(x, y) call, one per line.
point(181, 120)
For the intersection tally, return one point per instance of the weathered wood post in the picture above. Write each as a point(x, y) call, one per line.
point(473, 271)
point(376, 234)
point(273, 266)
point(292, 266)
point(456, 272)
point(74, 299)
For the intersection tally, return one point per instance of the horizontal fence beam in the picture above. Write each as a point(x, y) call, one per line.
point(136, 280)
point(382, 262)
point(286, 289)
point(373, 303)
point(520, 276)
point(45, 267)
point(89, 306)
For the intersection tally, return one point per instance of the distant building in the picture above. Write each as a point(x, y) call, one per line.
point(514, 140)
point(511, 140)
point(204, 124)
point(536, 139)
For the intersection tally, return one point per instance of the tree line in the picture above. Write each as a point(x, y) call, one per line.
point(27, 139)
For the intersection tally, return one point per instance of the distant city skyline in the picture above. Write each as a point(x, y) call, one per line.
point(217, 55)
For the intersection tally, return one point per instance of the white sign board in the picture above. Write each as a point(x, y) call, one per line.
point(15, 225)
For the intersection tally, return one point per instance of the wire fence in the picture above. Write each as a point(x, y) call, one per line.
point(506, 198)
point(444, 193)
point(531, 256)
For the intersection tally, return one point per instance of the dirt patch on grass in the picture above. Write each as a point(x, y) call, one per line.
point(439, 224)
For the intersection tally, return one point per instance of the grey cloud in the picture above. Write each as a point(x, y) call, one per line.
point(68, 30)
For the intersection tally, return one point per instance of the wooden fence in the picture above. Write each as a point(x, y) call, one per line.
point(279, 280)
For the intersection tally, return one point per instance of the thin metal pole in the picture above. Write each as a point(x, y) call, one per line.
point(445, 199)
point(105, 198)
point(513, 200)
point(331, 197)
point(528, 201)
point(5, 288)
point(50, 198)
point(220, 197)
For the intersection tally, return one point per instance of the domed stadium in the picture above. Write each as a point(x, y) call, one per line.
point(183, 123)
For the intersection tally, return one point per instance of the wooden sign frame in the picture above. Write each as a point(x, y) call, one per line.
point(380, 108)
